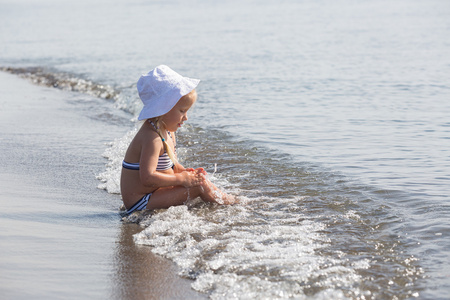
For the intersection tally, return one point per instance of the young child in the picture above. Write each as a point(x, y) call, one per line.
point(151, 175)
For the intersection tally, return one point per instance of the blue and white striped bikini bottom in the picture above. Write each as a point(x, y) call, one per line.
point(140, 205)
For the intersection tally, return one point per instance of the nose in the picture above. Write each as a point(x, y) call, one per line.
point(185, 117)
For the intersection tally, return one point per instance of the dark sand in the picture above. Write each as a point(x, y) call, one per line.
point(61, 237)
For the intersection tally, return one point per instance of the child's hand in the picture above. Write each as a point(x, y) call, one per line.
point(198, 170)
point(201, 171)
point(191, 179)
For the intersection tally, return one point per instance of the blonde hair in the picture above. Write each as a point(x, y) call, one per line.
point(157, 121)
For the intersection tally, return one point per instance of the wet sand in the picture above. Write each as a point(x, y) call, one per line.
point(61, 237)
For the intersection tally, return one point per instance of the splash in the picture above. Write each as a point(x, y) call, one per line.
point(250, 252)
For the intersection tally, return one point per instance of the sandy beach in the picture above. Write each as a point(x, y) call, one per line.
point(61, 237)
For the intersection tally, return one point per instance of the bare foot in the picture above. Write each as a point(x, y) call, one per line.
point(216, 195)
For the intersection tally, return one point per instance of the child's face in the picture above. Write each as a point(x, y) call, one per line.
point(178, 114)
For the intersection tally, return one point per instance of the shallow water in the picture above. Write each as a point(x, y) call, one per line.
point(61, 237)
point(329, 119)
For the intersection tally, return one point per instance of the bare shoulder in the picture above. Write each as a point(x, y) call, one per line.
point(148, 139)
point(145, 139)
point(146, 133)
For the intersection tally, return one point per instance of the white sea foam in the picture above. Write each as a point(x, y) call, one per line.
point(237, 252)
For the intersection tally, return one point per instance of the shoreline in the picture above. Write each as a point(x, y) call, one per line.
point(62, 236)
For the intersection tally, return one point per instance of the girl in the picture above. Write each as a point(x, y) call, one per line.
point(151, 175)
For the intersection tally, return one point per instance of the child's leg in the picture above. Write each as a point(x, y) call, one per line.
point(178, 195)
point(213, 194)
point(169, 196)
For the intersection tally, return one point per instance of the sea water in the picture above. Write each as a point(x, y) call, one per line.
point(329, 119)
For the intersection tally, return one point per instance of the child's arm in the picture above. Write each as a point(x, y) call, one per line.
point(150, 177)
point(158, 179)
point(179, 168)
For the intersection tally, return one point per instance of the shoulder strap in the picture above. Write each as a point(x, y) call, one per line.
point(153, 124)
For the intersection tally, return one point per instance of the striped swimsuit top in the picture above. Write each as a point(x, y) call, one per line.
point(164, 161)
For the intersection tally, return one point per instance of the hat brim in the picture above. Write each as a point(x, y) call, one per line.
point(165, 102)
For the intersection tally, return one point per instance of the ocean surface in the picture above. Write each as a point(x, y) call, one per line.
point(329, 119)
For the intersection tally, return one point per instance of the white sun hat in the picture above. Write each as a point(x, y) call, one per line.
point(161, 89)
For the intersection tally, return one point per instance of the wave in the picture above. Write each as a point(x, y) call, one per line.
point(64, 81)
point(124, 98)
